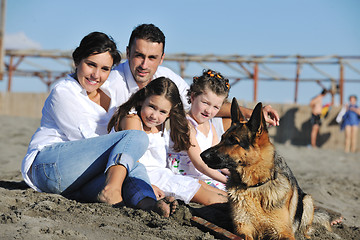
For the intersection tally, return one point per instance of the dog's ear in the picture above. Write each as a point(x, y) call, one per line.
point(257, 123)
point(236, 115)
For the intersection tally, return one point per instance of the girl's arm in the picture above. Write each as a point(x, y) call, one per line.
point(194, 154)
point(215, 141)
point(356, 110)
point(131, 122)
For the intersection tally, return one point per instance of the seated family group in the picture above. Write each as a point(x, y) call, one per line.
point(103, 137)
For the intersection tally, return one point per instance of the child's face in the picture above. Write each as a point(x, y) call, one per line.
point(155, 110)
point(353, 100)
point(205, 106)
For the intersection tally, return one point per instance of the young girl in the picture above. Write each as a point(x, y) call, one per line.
point(147, 110)
point(350, 122)
point(207, 94)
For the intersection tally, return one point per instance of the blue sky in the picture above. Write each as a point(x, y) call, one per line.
point(284, 27)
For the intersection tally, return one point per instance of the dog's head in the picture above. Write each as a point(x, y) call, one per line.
point(245, 148)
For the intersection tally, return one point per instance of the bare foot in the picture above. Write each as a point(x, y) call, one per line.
point(337, 221)
point(110, 196)
point(166, 206)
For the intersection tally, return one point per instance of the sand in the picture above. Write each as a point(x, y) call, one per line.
point(331, 177)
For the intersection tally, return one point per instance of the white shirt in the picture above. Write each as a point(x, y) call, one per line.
point(68, 114)
point(127, 86)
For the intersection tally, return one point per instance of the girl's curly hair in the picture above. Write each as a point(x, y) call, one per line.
point(211, 80)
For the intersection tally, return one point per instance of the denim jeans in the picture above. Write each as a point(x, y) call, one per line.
point(76, 169)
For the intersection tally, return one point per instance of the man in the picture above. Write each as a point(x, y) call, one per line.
point(316, 107)
point(145, 54)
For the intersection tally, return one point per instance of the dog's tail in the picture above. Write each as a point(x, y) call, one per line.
point(322, 217)
point(307, 217)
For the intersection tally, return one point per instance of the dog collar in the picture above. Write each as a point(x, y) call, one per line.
point(259, 184)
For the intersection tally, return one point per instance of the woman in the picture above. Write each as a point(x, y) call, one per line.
point(71, 153)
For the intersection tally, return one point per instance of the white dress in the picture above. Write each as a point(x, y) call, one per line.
point(154, 159)
point(180, 163)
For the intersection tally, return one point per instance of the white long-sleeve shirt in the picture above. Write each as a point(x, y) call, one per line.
point(68, 114)
point(127, 86)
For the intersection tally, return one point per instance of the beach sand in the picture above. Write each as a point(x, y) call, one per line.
point(331, 177)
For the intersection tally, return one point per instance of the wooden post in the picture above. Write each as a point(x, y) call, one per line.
point(298, 67)
point(182, 69)
point(10, 73)
point(2, 35)
point(341, 82)
point(255, 77)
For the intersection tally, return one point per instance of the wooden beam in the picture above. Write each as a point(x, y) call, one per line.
point(2, 35)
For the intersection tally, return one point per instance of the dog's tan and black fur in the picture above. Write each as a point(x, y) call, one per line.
point(265, 198)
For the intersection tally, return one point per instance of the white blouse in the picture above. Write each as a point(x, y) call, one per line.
point(68, 114)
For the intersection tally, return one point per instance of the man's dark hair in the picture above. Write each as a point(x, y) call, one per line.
point(147, 32)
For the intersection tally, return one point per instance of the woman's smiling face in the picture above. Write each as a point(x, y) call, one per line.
point(94, 70)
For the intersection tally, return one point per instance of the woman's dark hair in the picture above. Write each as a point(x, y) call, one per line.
point(179, 129)
point(95, 43)
point(211, 80)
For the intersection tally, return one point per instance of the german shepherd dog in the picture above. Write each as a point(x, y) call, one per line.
point(265, 199)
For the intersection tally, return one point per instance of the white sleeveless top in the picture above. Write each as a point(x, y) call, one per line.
point(154, 160)
point(155, 155)
point(180, 162)
point(204, 141)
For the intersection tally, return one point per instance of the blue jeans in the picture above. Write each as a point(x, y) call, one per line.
point(76, 169)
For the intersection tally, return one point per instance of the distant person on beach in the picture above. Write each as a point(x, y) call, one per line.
point(207, 94)
point(71, 153)
point(148, 110)
point(145, 53)
point(316, 108)
point(350, 122)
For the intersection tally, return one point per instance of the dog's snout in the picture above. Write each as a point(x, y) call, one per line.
point(206, 155)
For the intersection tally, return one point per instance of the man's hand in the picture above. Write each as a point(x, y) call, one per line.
point(271, 116)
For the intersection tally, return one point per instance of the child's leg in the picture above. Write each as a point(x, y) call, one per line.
point(207, 195)
point(214, 189)
point(347, 138)
point(354, 133)
point(314, 133)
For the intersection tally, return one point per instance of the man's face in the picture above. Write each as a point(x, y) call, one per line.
point(144, 58)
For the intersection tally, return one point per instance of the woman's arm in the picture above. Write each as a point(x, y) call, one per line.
point(194, 154)
point(68, 111)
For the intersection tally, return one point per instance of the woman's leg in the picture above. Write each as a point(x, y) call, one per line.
point(207, 195)
point(111, 193)
point(66, 167)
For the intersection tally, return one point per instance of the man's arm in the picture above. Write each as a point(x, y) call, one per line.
point(271, 116)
